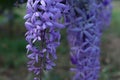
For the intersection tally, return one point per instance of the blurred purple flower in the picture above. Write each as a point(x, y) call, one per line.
point(84, 34)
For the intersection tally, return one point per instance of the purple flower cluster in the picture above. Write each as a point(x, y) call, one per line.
point(84, 34)
point(107, 11)
point(85, 21)
point(43, 24)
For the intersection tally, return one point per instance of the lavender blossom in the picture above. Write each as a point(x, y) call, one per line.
point(84, 34)
point(43, 36)
point(85, 23)
point(104, 13)
point(107, 11)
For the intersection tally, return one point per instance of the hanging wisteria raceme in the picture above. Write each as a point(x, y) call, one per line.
point(107, 11)
point(43, 23)
point(84, 34)
point(104, 13)
point(85, 21)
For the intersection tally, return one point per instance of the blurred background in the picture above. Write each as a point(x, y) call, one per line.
point(13, 53)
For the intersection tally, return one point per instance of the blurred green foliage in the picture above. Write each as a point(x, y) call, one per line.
point(9, 4)
point(13, 53)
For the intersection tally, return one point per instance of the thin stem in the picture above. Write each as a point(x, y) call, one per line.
point(42, 46)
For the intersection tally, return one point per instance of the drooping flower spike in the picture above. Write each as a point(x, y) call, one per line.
point(43, 25)
point(85, 21)
point(84, 34)
point(105, 9)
